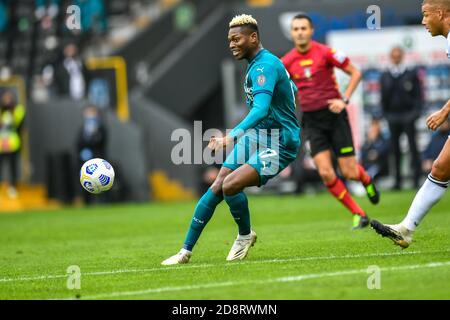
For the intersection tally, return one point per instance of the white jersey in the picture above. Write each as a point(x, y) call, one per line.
point(448, 53)
point(448, 45)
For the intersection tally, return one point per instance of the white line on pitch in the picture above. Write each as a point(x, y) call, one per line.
point(266, 281)
point(197, 266)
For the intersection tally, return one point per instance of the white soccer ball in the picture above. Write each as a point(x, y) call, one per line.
point(97, 176)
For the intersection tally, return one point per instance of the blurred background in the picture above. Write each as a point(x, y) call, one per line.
point(113, 79)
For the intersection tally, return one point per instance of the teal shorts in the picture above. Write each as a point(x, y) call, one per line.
point(268, 158)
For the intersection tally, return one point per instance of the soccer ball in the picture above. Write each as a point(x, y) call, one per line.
point(97, 176)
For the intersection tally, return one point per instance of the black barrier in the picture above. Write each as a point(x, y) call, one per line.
point(60, 177)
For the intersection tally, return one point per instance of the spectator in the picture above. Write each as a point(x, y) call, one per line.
point(11, 119)
point(3, 16)
point(401, 99)
point(5, 73)
point(435, 146)
point(93, 16)
point(375, 151)
point(92, 139)
point(68, 75)
point(48, 8)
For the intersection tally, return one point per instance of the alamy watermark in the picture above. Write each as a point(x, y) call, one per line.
point(254, 146)
point(374, 280)
point(373, 22)
point(73, 19)
point(74, 277)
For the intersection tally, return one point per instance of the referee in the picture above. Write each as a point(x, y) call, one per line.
point(325, 120)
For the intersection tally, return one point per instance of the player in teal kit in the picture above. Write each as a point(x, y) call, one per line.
point(268, 139)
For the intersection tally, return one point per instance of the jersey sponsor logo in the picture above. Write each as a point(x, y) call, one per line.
point(261, 80)
point(249, 93)
point(308, 73)
point(248, 89)
point(307, 62)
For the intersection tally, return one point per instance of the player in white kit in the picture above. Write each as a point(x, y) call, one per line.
point(436, 19)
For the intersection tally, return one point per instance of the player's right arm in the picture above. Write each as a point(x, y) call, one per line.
point(439, 117)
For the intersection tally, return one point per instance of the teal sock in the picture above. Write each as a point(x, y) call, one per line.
point(239, 209)
point(202, 214)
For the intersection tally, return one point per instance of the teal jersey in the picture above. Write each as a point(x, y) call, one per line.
point(267, 74)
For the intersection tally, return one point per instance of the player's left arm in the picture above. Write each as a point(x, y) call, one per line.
point(259, 111)
point(341, 61)
point(355, 79)
point(337, 105)
point(264, 78)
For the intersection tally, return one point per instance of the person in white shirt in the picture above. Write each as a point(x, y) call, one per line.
point(401, 100)
point(436, 19)
point(68, 75)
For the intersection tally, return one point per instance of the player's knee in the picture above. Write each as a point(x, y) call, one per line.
point(439, 171)
point(327, 174)
point(350, 173)
point(230, 186)
point(216, 186)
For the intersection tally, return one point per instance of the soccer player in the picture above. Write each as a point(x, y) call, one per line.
point(436, 19)
point(270, 95)
point(325, 120)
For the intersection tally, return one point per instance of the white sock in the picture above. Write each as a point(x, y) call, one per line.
point(245, 237)
point(428, 195)
point(184, 251)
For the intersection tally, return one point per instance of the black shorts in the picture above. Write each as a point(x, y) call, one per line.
point(326, 130)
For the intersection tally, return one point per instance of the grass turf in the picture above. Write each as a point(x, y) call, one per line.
point(305, 250)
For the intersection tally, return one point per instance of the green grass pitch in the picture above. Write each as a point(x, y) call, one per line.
point(305, 250)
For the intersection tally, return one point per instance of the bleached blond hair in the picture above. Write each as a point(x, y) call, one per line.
point(243, 19)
